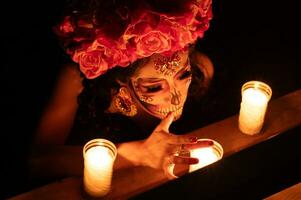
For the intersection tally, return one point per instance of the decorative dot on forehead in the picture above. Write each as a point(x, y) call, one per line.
point(167, 65)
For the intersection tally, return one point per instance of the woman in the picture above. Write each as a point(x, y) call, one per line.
point(137, 65)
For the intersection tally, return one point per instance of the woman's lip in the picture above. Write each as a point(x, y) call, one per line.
point(162, 112)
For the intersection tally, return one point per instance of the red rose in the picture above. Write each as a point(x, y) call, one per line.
point(201, 24)
point(112, 53)
point(100, 56)
point(91, 63)
point(144, 38)
point(135, 34)
point(180, 35)
point(152, 42)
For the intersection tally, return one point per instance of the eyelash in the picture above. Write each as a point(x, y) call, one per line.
point(185, 75)
point(152, 89)
point(156, 88)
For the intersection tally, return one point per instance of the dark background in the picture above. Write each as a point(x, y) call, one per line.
point(247, 40)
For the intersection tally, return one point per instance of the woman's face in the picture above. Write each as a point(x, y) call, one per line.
point(161, 85)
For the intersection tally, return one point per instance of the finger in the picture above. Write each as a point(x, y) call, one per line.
point(177, 149)
point(199, 144)
point(184, 160)
point(181, 139)
point(168, 168)
point(165, 123)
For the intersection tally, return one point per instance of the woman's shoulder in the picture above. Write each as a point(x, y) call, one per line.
point(70, 70)
point(70, 78)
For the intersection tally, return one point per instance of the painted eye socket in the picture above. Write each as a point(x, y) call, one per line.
point(152, 89)
point(185, 75)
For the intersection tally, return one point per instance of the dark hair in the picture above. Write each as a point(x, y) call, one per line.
point(96, 95)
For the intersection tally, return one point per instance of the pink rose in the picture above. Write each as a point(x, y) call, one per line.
point(200, 30)
point(100, 56)
point(112, 53)
point(201, 24)
point(91, 63)
point(143, 38)
point(127, 52)
point(123, 60)
point(180, 35)
point(134, 34)
point(152, 42)
point(185, 37)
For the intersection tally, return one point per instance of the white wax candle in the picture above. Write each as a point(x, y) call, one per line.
point(98, 166)
point(252, 110)
point(206, 156)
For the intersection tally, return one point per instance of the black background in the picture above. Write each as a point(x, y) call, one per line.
point(247, 40)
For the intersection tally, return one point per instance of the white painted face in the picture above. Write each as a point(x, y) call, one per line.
point(161, 85)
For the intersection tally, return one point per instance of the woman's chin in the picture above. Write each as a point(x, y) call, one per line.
point(177, 114)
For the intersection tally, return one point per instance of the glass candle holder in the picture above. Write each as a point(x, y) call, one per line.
point(206, 155)
point(99, 156)
point(255, 98)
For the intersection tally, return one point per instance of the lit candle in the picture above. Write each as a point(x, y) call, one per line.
point(99, 156)
point(255, 98)
point(206, 155)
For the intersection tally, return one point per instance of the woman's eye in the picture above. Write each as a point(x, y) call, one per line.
point(185, 75)
point(153, 88)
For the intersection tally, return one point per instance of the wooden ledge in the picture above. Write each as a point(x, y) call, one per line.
point(283, 114)
point(291, 193)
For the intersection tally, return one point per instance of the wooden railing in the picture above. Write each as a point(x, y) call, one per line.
point(283, 114)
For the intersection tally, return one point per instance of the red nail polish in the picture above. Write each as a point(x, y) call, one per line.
point(193, 161)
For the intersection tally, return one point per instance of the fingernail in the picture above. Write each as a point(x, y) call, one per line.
point(193, 161)
point(193, 139)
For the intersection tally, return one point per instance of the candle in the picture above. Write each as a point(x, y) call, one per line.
point(206, 155)
point(255, 98)
point(99, 156)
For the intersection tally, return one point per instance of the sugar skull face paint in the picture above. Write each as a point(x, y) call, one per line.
point(168, 65)
point(161, 85)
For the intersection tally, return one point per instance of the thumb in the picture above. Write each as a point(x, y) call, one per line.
point(165, 123)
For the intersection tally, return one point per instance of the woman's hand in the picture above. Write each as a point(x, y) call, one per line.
point(161, 150)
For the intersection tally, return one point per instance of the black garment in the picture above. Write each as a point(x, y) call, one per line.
point(118, 129)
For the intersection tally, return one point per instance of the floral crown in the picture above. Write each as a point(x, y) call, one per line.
point(132, 32)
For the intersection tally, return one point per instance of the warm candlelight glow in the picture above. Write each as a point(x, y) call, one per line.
point(206, 155)
point(99, 156)
point(255, 97)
